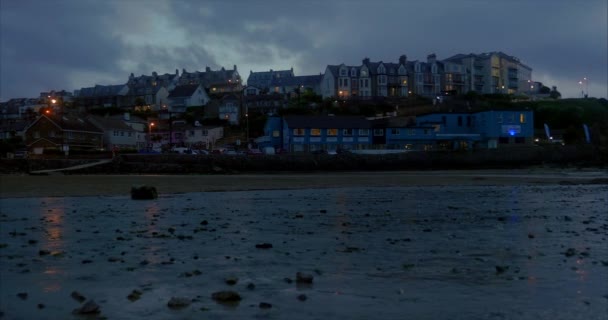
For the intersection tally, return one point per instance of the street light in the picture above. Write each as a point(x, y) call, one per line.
point(150, 136)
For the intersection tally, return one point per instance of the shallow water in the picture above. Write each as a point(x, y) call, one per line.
point(465, 252)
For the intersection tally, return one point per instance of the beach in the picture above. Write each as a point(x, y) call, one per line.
point(420, 245)
point(59, 185)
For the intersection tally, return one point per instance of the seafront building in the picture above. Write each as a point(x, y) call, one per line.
point(434, 131)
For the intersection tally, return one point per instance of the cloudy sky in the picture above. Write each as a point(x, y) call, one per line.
point(68, 44)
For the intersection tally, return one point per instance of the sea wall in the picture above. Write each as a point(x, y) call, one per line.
point(221, 164)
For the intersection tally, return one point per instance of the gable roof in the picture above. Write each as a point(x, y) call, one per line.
point(186, 90)
point(327, 122)
point(69, 123)
point(106, 123)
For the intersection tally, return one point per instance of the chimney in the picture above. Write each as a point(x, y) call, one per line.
point(366, 61)
point(176, 71)
point(403, 59)
point(234, 67)
point(431, 58)
point(131, 76)
point(183, 70)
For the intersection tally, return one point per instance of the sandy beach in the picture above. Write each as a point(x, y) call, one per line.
point(59, 185)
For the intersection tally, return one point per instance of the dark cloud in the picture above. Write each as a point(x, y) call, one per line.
point(66, 44)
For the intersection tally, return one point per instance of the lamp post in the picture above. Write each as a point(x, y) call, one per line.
point(150, 136)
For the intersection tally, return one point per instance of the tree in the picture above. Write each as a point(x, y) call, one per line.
point(544, 90)
point(555, 94)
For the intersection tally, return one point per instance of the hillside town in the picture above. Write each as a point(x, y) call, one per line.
point(375, 105)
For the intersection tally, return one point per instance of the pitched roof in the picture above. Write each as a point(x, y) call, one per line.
point(101, 91)
point(186, 90)
point(71, 123)
point(106, 123)
point(324, 122)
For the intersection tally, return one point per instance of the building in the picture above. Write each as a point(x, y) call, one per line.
point(151, 91)
point(493, 72)
point(263, 79)
point(116, 133)
point(202, 137)
point(62, 133)
point(229, 109)
point(292, 86)
point(185, 96)
point(101, 96)
point(214, 82)
point(435, 131)
point(369, 81)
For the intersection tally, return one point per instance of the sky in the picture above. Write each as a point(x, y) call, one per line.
point(68, 44)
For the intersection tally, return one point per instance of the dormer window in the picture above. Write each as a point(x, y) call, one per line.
point(353, 72)
point(363, 73)
point(381, 69)
point(402, 70)
point(343, 72)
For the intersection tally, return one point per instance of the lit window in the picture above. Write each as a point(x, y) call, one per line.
point(276, 133)
point(332, 132)
point(315, 132)
point(298, 132)
point(522, 118)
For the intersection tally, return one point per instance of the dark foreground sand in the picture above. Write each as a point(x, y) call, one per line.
point(59, 185)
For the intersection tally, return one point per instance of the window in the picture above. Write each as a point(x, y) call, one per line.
point(499, 118)
point(522, 118)
point(343, 72)
point(347, 132)
point(364, 132)
point(191, 133)
point(378, 132)
point(315, 132)
point(353, 72)
point(367, 83)
point(346, 82)
point(363, 73)
point(276, 133)
point(299, 132)
point(512, 117)
point(503, 140)
point(460, 121)
point(205, 132)
point(129, 134)
point(394, 131)
point(381, 69)
point(332, 132)
point(52, 134)
point(468, 121)
point(381, 79)
point(443, 119)
point(36, 134)
point(122, 133)
point(411, 132)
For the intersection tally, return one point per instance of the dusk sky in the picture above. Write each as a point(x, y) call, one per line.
point(69, 44)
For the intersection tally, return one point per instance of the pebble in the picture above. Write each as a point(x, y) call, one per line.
point(22, 295)
point(231, 281)
point(226, 296)
point(304, 278)
point(178, 303)
point(88, 308)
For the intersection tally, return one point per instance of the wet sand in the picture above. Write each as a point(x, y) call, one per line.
point(59, 185)
point(510, 251)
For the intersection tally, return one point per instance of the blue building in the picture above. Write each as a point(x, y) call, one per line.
point(434, 131)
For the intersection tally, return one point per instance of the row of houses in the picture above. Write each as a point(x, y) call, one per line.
point(70, 132)
point(435, 131)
